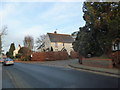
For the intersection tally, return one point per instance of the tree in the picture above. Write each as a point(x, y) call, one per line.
point(40, 40)
point(101, 27)
point(25, 53)
point(29, 42)
point(85, 44)
point(2, 33)
point(12, 48)
point(7, 54)
point(18, 55)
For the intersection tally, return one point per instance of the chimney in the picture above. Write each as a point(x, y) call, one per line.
point(19, 46)
point(55, 32)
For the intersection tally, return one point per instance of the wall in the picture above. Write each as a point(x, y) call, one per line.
point(15, 52)
point(116, 58)
point(68, 46)
point(103, 63)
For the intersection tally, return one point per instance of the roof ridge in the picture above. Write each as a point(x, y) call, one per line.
point(59, 34)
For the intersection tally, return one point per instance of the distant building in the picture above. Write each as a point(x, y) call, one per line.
point(57, 42)
point(15, 52)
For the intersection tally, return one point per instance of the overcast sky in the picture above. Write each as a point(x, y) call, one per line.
point(37, 18)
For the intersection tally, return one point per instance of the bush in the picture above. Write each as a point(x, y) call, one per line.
point(12, 57)
point(25, 58)
point(18, 55)
point(25, 53)
point(49, 56)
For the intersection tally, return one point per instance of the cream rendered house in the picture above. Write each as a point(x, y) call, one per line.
point(15, 52)
point(57, 42)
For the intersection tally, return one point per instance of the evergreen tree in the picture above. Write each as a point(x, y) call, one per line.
point(12, 48)
point(7, 54)
point(101, 28)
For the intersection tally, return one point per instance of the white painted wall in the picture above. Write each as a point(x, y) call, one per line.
point(67, 46)
point(15, 52)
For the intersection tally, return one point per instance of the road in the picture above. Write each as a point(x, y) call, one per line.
point(0, 76)
point(23, 75)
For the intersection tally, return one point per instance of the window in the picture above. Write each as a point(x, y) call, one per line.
point(56, 49)
point(63, 44)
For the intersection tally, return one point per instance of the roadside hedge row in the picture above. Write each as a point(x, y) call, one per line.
point(50, 56)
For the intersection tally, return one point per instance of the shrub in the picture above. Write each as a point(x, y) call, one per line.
point(12, 57)
point(25, 53)
point(18, 55)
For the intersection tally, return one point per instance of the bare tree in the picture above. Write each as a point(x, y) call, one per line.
point(40, 40)
point(3, 32)
point(28, 42)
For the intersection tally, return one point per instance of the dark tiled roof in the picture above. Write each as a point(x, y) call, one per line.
point(65, 38)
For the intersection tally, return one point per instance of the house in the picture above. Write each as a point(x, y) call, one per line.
point(57, 42)
point(15, 52)
point(116, 45)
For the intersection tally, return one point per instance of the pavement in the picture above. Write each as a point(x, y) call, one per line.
point(57, 63)
point(113, 71)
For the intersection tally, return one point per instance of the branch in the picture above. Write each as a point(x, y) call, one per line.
point(3, 31)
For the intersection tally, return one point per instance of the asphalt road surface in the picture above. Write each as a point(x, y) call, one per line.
point(39, 76)
point(0, 76)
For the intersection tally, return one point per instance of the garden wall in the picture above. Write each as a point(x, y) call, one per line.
point(116, 58)
point(103, 63)
point(50, 56)
point(74, 55)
